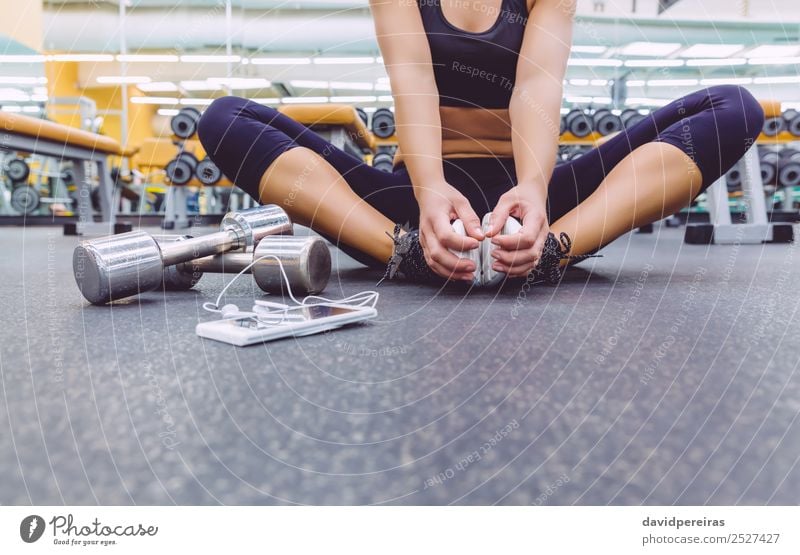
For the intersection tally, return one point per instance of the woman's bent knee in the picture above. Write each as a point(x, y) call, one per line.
point(216, 120)
point(220, 116)
point(744, 113)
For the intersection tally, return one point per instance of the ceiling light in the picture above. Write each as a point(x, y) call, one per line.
point(80, 57)
point(353, 86)
point(31, 109)
point(38, 98)
point(773, 51)
point(594, 62)
point(353, 99)
point(273, 100)
point(210, 58)
point(167, 100)
point(647, 101)
point(357, 60)
point(158, 86)
point(582, 49)
point(649, 48)
point(200, 86)
point(383, 87)
point(168, 112)
point(196, 101)
point(386, 98)
point(22, 80)
point(240, 82)
point(22, 58)
point(155, 58)
point(700, 62)
point(123, 79)
point(598, 82)
point(303, 84)
point(654, 63)
point(14, 95)
point(304, 99)
point(280, 61)
point(727, 81)
point(578, 99)
point(711, 50)
point(635, 83)
point(672, 83)
point(579, 82)
point(777, 80)
point(12, 108)
point(774, 61)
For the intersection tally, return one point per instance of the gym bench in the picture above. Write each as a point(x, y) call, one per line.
point(68, 144)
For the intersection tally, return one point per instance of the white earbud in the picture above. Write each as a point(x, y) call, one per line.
point(230, 311)
point(268, 310)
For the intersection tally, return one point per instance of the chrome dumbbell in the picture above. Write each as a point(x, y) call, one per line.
point(306, 261)
point(119, 266)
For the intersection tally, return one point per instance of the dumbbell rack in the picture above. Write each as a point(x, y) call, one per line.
point(757, 228)
point(184, 127)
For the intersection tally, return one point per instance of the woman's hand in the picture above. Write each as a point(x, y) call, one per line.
point(517, 254)
point(439, 204)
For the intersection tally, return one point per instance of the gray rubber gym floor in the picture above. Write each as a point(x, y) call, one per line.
point(662, 373)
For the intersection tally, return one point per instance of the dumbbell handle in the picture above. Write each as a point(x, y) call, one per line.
point(306, 261)
point(231, 262)
point(239, 230)
point(205, 245)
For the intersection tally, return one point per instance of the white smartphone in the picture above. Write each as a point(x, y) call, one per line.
point(296, 321)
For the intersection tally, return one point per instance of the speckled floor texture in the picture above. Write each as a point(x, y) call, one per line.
point(662, 373)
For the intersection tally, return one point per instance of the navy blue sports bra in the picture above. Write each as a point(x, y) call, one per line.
point(475, 70)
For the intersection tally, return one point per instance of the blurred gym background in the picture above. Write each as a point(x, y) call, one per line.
point(141, 71)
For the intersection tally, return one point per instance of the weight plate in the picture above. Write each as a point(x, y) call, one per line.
point(383, 123)
point(68, 176)
point(794, 126)
point(179, 172)
point(188, 158)
point(24, 200)
point(184, 123)
point(18, 170)
point(632, 120)
point(383, 162)
point(768, 173)
point(789, 175)
point(363, 115)
point(578, 123)
point(207, 172)
point(608, 124)
point(733, 178)
point(773, 126)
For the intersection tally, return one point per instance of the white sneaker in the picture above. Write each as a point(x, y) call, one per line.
point(473, 254)
point(485, 275)
point(491, 277)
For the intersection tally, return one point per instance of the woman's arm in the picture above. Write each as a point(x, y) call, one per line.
point(407, 57)
point(406, 54)
point(535, 122)
point(536, 101)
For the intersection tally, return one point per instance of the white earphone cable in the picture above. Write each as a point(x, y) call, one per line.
point(363, 298)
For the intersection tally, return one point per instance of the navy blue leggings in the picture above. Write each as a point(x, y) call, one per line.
point(713, 126)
